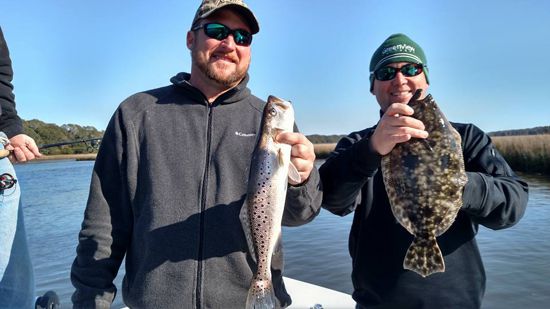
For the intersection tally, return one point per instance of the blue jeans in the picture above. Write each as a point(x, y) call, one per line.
point(16, 272)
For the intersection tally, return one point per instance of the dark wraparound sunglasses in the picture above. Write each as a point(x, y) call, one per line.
point(220, 32)
point(389, 73)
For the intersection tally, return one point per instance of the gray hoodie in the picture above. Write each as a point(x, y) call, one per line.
point(167, 187)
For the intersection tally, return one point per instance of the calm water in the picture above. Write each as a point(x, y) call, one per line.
point(517, 260)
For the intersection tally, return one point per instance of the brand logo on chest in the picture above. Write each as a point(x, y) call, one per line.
point(244, 134)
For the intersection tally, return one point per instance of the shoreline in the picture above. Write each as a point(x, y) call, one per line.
point(76, 157)
point(321, 151)
point(527, 154)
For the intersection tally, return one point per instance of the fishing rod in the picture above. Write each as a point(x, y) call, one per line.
point(91, 144)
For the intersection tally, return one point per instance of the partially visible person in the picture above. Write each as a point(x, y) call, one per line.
point(16, 272)
point(22, 147)
point(171, 178)
point(352, 182)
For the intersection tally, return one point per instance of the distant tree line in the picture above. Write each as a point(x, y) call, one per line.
point(330, 139)
point(48, 133)
point(532, 131)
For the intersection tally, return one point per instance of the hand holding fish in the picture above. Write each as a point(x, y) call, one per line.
point(396, 126)
point(424, 180)
point(302, 154)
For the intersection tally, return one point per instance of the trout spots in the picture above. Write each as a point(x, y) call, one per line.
point(266, 196)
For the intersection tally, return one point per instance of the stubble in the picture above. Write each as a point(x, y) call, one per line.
point(218, 74)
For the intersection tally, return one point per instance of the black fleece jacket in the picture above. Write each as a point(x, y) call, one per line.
point(10, 123)
point(493, 197)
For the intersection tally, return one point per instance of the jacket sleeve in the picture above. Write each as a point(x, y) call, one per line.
point(303, 202)
point(346, 171)
point(107, 225)
point(10, 123)
point(493, 196)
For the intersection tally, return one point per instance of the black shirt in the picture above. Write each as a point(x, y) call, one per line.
point(10, 123)
point(493, 197)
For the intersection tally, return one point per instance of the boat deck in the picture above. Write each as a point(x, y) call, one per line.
point(310, 296)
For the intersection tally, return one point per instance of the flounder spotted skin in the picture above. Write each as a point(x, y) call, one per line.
point(424, 179)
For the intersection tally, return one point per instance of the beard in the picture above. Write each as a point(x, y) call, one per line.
point(216, 72)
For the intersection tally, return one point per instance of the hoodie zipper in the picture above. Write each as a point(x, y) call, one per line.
point(204, 191)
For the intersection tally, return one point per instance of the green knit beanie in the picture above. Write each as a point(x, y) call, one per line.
point(397, 48)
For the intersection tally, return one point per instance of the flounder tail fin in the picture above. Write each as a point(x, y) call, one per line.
point(261, 295)
point(424, 256)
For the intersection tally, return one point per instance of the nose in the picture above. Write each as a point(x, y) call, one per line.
point(229, 42)
point(399, 78)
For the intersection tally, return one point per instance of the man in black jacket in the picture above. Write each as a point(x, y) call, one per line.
point(171, 176)
point(352, 181)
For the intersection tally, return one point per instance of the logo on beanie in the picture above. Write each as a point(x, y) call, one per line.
point(398, 48)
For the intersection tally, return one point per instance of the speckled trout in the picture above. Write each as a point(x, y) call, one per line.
point(262, 212)
point(424, 179)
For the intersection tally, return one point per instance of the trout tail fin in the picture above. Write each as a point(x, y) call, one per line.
point(424, 256)
point(261, 295)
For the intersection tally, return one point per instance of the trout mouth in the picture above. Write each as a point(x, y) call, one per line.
point(278, 102)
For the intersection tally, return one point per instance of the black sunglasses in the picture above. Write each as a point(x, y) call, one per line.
point(220, 32)
point(408, 70)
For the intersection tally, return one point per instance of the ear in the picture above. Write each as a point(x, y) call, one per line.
point(190, 39)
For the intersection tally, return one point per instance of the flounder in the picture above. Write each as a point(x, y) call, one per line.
point(424, 179)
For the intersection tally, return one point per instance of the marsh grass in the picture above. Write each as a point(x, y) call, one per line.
point(525, 153)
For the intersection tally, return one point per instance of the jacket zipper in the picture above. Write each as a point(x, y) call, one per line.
point(203, 205)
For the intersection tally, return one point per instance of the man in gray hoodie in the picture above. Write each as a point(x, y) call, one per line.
point(171, 177)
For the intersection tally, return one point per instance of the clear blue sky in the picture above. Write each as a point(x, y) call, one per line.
point(76, 60)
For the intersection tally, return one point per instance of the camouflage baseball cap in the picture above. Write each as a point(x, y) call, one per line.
point(208, 7)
